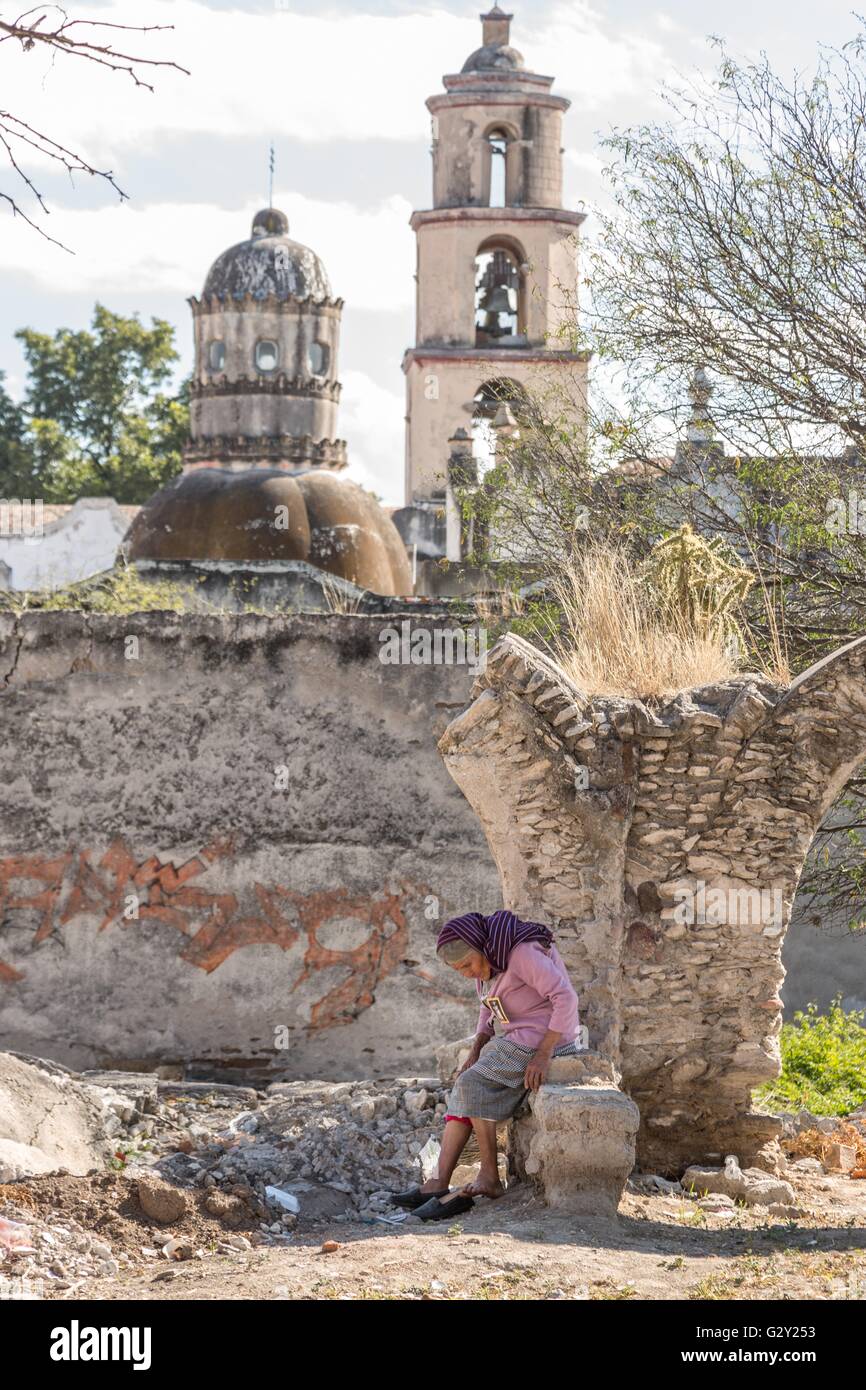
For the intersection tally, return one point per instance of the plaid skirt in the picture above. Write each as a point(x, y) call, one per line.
point(493, 1087)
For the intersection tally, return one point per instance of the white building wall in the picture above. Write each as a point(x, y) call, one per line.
point(82, 541)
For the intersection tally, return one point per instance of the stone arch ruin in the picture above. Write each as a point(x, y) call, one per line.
point(664, 842)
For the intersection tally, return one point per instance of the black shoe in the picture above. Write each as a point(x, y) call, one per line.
point(415, 1197)
point(436, 1210)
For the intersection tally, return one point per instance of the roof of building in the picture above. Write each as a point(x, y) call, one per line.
point(269, 263)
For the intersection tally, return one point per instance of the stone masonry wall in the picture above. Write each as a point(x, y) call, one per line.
point(665, 844)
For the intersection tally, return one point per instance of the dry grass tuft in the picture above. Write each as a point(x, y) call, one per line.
point(338, 599)
point(617, 639)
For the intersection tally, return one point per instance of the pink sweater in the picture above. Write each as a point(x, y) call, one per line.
point(536, 994)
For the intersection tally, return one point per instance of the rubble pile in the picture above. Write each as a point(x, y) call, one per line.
point(101, 1171)
point(136, 1167)
point(358, 1140)
point(58, 1231)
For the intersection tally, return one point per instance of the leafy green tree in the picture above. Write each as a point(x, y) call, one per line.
point(16, 454)
point(96, 419)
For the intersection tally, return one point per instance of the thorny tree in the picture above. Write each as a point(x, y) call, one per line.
point(48, 30)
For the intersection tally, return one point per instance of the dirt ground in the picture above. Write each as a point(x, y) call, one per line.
point(657, 1247)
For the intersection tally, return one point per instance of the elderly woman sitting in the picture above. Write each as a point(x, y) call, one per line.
point(529, 1013)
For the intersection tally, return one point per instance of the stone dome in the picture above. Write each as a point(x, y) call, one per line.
point(270, 263)
point(493, 56)
point(215, 515)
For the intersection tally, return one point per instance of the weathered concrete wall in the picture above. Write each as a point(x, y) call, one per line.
point(214, 828)
point(75, 542)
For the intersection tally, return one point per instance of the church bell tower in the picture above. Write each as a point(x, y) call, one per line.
point(496, 254)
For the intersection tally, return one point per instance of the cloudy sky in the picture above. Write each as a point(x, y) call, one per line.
point(340, 89)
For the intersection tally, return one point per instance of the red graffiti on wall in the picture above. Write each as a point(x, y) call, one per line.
point(118, 890)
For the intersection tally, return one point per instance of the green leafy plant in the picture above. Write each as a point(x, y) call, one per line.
point(823, 1063)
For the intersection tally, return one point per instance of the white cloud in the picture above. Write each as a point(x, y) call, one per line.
point(309, 77)
point(168, 247)
point(371, 422)
point(593, 61)
point(264, 74)
point(667, 24)
point(584, 160)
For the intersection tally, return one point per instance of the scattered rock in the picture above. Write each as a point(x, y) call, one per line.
point(768, 1192)
point(201, 1090)
point(752, 1184)
point(177, 1249)
point(806, 1120)
point(652, 1182)
point(415, 1101)
point(161, 1202)
point(232, 1211)
point(841, 1156)
point(717, 1201)
point(140, 1088)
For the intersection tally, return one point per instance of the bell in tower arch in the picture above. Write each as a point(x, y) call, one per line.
point(497, 297)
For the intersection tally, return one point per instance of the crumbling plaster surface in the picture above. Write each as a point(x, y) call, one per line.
point(140, 761)
point(614, 820)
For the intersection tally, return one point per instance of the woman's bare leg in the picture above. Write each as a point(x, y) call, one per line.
point(454, 1139)
point(487, 1183)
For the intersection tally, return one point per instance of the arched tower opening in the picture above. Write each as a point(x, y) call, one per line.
point(487, 405)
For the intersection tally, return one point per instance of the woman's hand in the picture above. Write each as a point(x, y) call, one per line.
point(536, 1070)
point(479, 1043)
point(474, 1054)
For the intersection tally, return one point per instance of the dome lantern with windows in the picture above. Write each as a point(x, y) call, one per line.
point(265, 389)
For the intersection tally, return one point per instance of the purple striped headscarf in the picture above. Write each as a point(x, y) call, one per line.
point(495, 936)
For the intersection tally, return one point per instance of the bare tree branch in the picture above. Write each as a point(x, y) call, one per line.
point(16, 135)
